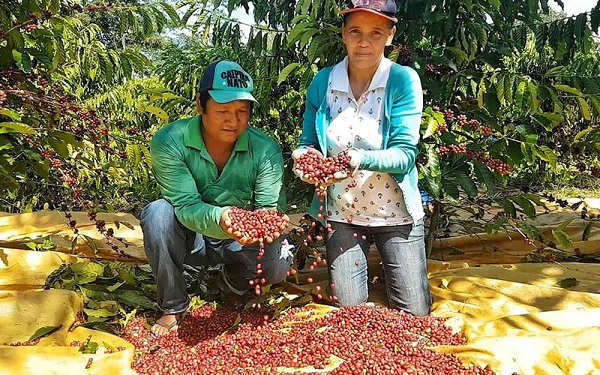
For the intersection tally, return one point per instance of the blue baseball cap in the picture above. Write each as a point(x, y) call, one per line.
point(226, 82)
point(383, 8)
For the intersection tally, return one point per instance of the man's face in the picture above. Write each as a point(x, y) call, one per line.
point(365, 36)
point(224, 123)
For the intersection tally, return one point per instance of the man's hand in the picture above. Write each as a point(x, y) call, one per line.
point(297, 154)
point(236, 235)
point(243, 238)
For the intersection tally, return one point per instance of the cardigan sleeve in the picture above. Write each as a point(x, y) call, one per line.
point(314, 98)
point(404, 112)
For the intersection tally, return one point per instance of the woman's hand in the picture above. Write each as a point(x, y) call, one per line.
point(354, 163)
point(297, 154)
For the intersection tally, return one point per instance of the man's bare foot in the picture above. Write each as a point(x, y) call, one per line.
point(166, 324)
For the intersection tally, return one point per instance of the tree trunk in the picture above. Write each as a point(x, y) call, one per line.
point(435, 219)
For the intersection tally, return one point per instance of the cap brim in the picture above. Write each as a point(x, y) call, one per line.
point(393, 19)
point(222, 96)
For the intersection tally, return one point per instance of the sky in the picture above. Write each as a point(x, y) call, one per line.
point(575, 6)
point(240, 15)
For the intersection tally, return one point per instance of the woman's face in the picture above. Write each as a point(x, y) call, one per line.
point(365, 36)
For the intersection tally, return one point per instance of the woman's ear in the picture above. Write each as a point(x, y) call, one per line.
point(391, 36)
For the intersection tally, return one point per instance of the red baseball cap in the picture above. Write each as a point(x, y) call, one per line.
point(383, 8)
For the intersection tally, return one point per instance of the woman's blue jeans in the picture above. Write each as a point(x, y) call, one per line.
point(169, 244)
point(402, 252)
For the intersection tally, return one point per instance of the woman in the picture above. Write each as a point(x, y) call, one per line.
point(371, 107)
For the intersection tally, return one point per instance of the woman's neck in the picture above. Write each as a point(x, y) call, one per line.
point(360, 78)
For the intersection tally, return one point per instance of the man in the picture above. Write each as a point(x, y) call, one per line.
point(204, 165)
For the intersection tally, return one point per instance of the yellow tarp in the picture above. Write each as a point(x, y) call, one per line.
point(513, 315)
point(25, 307)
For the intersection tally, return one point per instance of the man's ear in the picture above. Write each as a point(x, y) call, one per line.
point(198, 106)
point(391, 36)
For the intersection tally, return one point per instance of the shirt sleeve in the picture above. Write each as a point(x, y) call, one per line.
point(268, 188)
point(405, 116)
point(178, 187)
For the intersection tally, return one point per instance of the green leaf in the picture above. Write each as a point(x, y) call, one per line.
point(509, 207)
point(42, 168)
point(583, 133)
point(567, 283)
point(450, 189)
point(59, 146)
point(286, 72)
point(44, 331)
point(547, 154)
point(124, 223)
point(433, 162)
point(467, 184)
point(112, 306)
point(569, 89)
point(99, 313)
point(528, 133)
point(296, 32)
point(32, 245)
point(495, 3)
point(535, 198)
point(127, 275)
point(89, 347)
point(530, 230)
point(171, 12)
point(500, 89)
point(587, 231)
point(564, 225)
point(23, 60)
point(158, 112)
point(520, 94)
point(533, 98)
point(10, 113)
point(96, 295)
point(555, 118)
point(16, 127)
point(513, 150)
point(67, 137)
point(481, 92)
point(525, 204)
point(114, 287)
point(431, 183)
point(527, 150)
point(88, 269)
point(562, 238)
point(485, 176)
point(431, 126)
point(460, 54)
point(135, 299)
point(585, 109)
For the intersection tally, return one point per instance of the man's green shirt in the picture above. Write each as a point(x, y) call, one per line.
point(188, 177)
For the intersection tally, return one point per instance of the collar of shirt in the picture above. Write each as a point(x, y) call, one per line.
point(193, 137)
point(339, 76)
